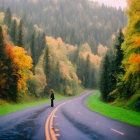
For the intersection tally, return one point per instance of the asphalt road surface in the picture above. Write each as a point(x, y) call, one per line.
point(69, 119)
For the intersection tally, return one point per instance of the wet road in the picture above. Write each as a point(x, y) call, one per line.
point(70, 119)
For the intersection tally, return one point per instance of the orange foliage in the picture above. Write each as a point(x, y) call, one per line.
point(21, 62)
point(137, 42)
point(9, 51)
point(134, 58)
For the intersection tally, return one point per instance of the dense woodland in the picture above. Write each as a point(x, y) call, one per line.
point(76, 22)
point(120, 71)
point(52, 45)
point(49, 68)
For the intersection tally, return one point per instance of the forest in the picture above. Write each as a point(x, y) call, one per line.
point(47, 67)
point(52, 45)
point(120, 70)
point(79, 22)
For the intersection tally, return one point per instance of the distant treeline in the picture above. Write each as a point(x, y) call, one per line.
point(75, 21)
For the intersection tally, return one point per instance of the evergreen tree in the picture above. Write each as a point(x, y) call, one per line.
point(8, 80)
point(20, 34)
point(116, 58)
point(111, 69)
point(8, 17)
point(11, 81)
point(87, 72)
point(13, 31)
point(2, 49)
point(119, 52)
point(112, 74)
point(33, 53)
point(104, 78)
point(93, 83)
point(2, 64)
point(40, 44)
point(47, 71)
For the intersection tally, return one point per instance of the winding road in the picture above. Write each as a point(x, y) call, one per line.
point(69, 119)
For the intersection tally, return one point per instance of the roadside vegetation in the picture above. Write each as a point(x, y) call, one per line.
point(30, 101)
point(95, 103)
point(120, 69)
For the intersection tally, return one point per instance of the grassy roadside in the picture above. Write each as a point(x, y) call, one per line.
point(118, 113)
point(9, 108)
point(28, 102)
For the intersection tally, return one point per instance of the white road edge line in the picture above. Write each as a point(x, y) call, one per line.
point(121, 133)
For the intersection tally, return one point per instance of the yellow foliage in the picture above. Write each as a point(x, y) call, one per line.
point(64, 71)
point(102, 50)
point(59, 40)
point(21, 60)
point(59, 52)
point(131, 45)
point(1, 16)
point(39, 76)
point(137, 42)
point(85, 48)
point(95, 60)
point(23, 63)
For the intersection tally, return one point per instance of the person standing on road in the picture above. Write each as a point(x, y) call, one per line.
point(52, 97)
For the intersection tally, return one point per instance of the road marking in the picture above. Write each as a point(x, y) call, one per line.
point(56, 129)
point(49, 130)
point(121, 133)
point(58, 135)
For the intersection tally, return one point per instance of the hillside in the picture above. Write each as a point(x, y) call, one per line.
point(76, 22)
point(65, 72)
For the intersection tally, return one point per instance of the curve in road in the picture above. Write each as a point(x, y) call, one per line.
point(70, 119)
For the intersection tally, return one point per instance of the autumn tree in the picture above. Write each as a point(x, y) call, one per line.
point(23, 63)
point(11, 75)
point(8, 76)
point(104, 83)
point(131, 49)
point(15, 68)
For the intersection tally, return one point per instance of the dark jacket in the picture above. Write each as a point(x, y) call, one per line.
point(52, 96)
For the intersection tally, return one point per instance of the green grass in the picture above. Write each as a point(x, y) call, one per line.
point(9, 108)
point(118, 113)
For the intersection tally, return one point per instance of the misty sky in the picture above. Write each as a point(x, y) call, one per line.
point(113, 3)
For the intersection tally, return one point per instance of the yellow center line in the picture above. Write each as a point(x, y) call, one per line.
point(49, 131)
